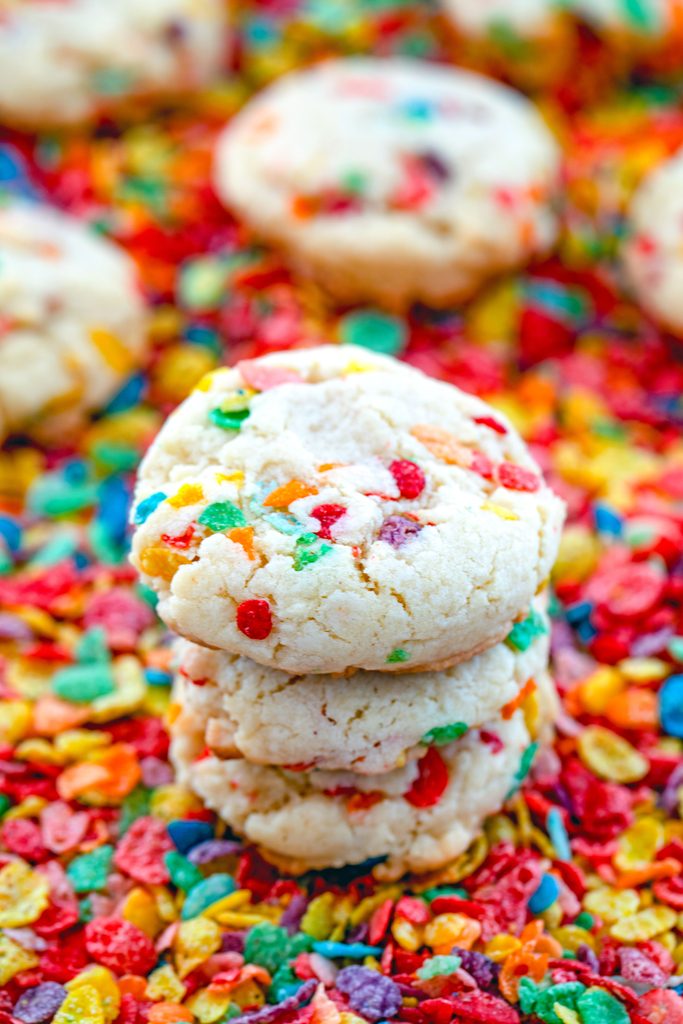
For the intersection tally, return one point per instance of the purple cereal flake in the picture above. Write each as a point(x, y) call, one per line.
point(40, 1004)
point(370, 994)
point(268, 1014)
point(12, 628)
point(291, 918)
point(397, 531)
point(233, 942)
point(214, 849)
point(669, 797)
point(484, 971)
point(649, 644)
point(586, 955)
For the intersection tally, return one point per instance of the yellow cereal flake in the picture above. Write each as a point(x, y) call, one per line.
point(14, 959)
point(112, 350)
point(499, 510)
point(24, 895)
point(82, 1006)
point(194, 942)
point(105, 985)
point(639, 844)
point(188, 494)
point(612, 905)
point(158, 561)
point(610, 756)
point(164, 984)
point(644, 925)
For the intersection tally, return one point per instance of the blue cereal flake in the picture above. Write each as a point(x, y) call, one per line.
point(145, 508)
point(348, 950)
point(558, 834)
point(671, 706)
point(188, 834)
point(370, 994)
point(10, 531)
point(203, 895)
point(545, 895)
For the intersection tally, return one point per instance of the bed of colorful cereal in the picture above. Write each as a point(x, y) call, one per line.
point(121, 899)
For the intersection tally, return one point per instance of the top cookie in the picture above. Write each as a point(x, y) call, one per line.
point(330, 509)
point(67, 62)
point(653, 252)
point(393, 180)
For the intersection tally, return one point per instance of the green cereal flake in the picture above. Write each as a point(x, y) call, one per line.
point(302, 558)
point(437, 966)
point(222, 515)
point(596, 1006)
point(88, 873)
point(231, 420)
point(183, 873)
point(443, 734)
point(398, 656)
point(267, 945)
point(83, 684)
point(523, 634)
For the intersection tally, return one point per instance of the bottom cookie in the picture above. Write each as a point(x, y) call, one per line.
point(417, 817)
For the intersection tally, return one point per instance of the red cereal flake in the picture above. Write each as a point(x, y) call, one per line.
point(181, 540)
point(140, 854)
point(409, 478)
point(254, 619)
point(413, 910)
point(327, 516)
point(486, 1008)
point(517, 478)
point(494, 424)
point(22, 836)
point(64, 958)
point(431, 781)
point(120, 946)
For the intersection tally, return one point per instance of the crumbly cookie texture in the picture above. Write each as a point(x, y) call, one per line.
point(653, 252)
point(393, 180)
point(370, 723)
point(417, 817)
point(74, 323)
point(330, 509)
point(67, 62)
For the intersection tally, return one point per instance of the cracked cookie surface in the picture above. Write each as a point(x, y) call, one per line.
point(393, 180)
point(329, 509)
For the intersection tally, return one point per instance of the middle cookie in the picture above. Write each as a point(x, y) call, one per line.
point(369, 724)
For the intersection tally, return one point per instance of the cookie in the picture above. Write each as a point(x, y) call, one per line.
point(393, 181)
point(653, 251)
point(68, 62)
point(330, 509)
point(369, 724)
point(417, 817)
point(73, 318)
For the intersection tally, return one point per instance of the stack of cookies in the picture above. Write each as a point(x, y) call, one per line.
point(354, 555)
